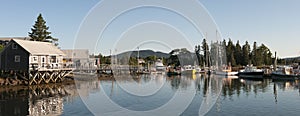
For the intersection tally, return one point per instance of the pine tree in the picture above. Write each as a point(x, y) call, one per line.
point(40, 32)
point(254, 55)
point(205, 49)
point(265, 55)
point(230, 50)
point(246, 53)
point(197, 52)
point(238, 53)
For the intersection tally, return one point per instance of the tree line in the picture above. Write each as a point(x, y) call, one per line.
point(237, 54)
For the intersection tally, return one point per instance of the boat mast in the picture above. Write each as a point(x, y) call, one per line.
point(206, 49)
point(275, 62)
point(138, 57)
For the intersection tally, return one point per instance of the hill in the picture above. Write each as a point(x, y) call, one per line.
point(144, 54)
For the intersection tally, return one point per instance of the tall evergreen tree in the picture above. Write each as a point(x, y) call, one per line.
point(230, 53)
point(205, 49)
point(238, 53)
point(265, 55)
point(39, 31)
point(197, 51)
point(254, 55)
point(246, 53)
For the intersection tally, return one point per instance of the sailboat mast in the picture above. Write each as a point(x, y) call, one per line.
point(138, 57)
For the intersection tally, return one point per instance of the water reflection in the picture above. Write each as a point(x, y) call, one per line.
point(34, 100)
point(260, 95)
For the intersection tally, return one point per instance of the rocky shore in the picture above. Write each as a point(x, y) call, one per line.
point(12, 81)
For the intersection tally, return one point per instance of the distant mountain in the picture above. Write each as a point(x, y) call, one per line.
point(292, 58)
point(144, 54)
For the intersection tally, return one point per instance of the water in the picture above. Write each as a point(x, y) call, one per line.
point(162, 94)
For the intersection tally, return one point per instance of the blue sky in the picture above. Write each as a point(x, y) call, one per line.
point(276, 23)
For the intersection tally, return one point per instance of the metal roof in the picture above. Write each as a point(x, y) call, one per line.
point(11, 38)
point(39, 48)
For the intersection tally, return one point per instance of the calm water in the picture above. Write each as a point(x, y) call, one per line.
point(183, 95)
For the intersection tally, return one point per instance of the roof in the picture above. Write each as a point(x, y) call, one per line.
point(10, 38)
point(76, 53)
point(39, 48)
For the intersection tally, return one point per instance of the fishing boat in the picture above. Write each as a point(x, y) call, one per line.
point(285, 72)
point(251, 72)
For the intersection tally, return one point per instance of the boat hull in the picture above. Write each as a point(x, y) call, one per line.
point(256, 75)
point(173, 73)
point(284, 76)
point(188, 72)
point(226, 73)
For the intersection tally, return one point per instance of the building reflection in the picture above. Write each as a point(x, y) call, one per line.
point(34, 100)
point(50, 99)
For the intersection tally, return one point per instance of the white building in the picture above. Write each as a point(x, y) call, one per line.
point(79, 59)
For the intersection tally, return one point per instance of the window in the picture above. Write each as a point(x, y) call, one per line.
point(53, 59)
point(43, 59)
point(34, 59)
point(14, 46)
point(17, 58)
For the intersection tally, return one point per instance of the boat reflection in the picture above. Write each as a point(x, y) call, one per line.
point(51, 99)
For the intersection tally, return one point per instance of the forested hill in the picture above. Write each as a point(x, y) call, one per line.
point(144, 54)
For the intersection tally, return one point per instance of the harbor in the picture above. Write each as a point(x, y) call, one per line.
point(63, 99)
point(149, 58)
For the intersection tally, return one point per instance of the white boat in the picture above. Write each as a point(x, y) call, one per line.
point(226, 71)
point(188, 69)
point(159, 67)
point(285, 72)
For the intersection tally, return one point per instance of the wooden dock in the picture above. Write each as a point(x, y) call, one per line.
point(36, 77)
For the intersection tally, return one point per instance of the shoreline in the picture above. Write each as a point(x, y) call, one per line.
point(15, 82)
point(6, 82)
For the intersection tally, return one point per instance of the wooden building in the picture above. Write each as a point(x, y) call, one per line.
point(24, 55)
point(79, 59)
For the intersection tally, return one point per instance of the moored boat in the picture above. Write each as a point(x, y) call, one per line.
point(159, 67)
point(188, 69)
point(251, 72)
point(173, 71)
point(226, 71)
point(285, 72)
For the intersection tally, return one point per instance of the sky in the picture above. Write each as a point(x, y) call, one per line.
point(275, 23)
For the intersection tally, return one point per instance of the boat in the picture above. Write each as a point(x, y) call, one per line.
point(170, 73)
point(226, 71)
point(188, 69)
point(285, 72)
point(251, 72)
point(173, 71)
point(159, 67)
point(204, 70)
